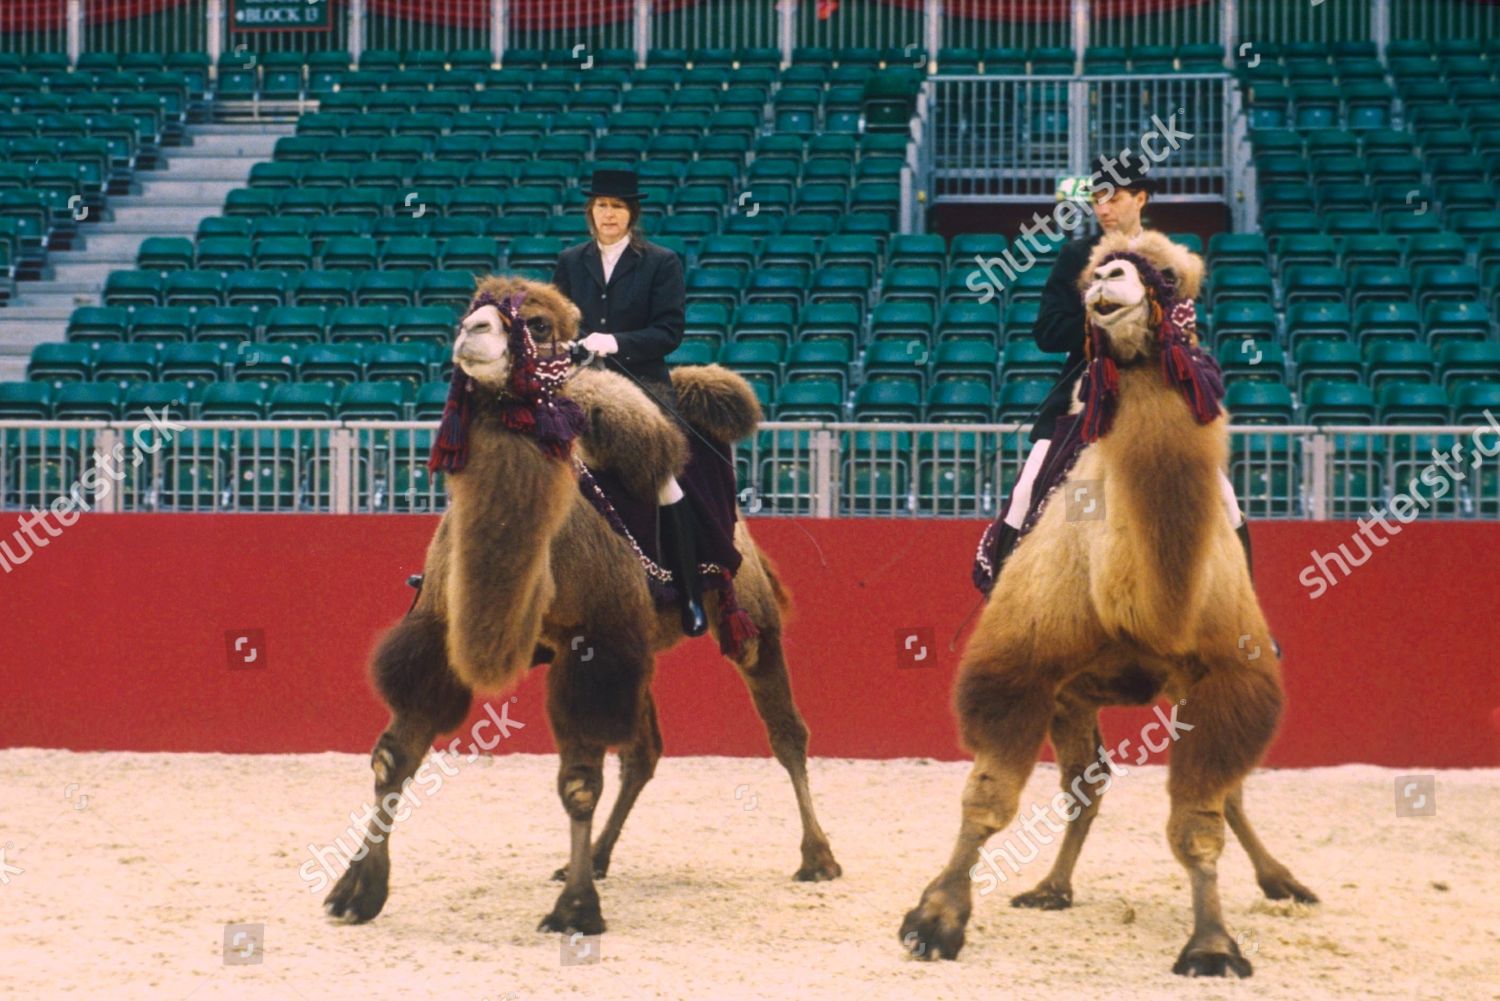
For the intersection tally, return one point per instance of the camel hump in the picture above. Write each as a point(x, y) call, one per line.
point(627, 433)
point(715, 401)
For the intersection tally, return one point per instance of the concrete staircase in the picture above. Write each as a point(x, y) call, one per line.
point(189, 186)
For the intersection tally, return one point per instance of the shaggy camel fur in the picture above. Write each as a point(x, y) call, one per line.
point(1150, 598)
point(523, 568)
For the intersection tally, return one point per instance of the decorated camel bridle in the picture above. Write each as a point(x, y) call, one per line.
point(1184, 364)
point(531, 402)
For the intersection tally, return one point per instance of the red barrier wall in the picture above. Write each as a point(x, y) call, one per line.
point(119, 635)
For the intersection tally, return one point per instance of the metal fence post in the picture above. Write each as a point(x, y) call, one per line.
point(75, 30)
point(356, 29)
point(1229, 31)
point(341, 446)
point(824, 473)
point(1082, 11)
point(642, 31)
point(1315, 458)
point(106, 499)
point(932, 33)
point(786, 28)
point(1380, 24)
point(499, 20)
point(213, 30)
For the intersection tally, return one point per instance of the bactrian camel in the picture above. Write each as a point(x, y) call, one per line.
point(522, 568)
point(1146, 596)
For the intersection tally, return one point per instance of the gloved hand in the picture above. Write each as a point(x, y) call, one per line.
point(601, 344)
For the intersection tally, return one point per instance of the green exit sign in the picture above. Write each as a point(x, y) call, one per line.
point(279, 15)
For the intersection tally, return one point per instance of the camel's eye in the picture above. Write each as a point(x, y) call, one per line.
point(538, 326)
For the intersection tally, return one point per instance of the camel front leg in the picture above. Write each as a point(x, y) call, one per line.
point(637, 766)
point(1232, 712)
point(410, 670)
point(580, 781)
point(1076, 740)
point(1004, 718)
point(1275, 879)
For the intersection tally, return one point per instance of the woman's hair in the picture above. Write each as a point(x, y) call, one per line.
point(632, 233)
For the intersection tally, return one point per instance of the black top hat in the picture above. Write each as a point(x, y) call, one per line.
point(1130, 170)
point(615, 184)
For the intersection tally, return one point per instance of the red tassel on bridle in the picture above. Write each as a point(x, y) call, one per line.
point(1101, 387)
point(1186, 366)
point(450, 452)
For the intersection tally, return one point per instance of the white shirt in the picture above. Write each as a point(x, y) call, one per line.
point(611, 255)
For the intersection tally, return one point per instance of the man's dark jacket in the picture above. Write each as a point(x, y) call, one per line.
point(641, 306)
point(1059, 327)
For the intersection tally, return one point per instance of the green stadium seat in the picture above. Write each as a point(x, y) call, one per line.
point(1256, 402)
point(133, 288)
point(1340, 403)
point(1397, 361)
point(1388, 320)
point(257, 289)
point(1447, 283)
point(123, 364)
point(967, 361)
point(56, 364)
point(27, 401)
point(377, 401)
point(1337, 361)
point(88, 401)
point(1236, 320)
point(888, 400)
point(98, 323)
point(903, 321)
point(960, 401)
point(452, 289)
point(836, 321)
point(968, 321)
point(754, 361)
point(223, 253)
point(1021, 399)
point(1446, 322)
point(1413, 403)
point(1246, 358)
point(430, 325)
point(161, 324)
point(764, 321)
point(193, 365)
point(302, 401)
point(352, 324)
point(165, 253)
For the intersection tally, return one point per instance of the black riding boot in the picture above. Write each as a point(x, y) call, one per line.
point(1244, 535)
point(679, 548)
point(1001, 542)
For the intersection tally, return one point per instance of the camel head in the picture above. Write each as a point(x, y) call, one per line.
point(1129, 283)
point(488, 341)
point(1138, 296)
point(511, 354)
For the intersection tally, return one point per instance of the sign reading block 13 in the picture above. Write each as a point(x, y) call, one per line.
point(279, 15)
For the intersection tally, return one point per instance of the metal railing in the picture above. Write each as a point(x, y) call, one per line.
point(818, 470)
point(76, 26)
point(1010, 138)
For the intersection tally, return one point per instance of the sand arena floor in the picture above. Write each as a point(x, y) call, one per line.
point(122, 871)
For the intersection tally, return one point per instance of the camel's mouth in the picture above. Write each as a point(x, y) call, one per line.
point(1106, 308)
